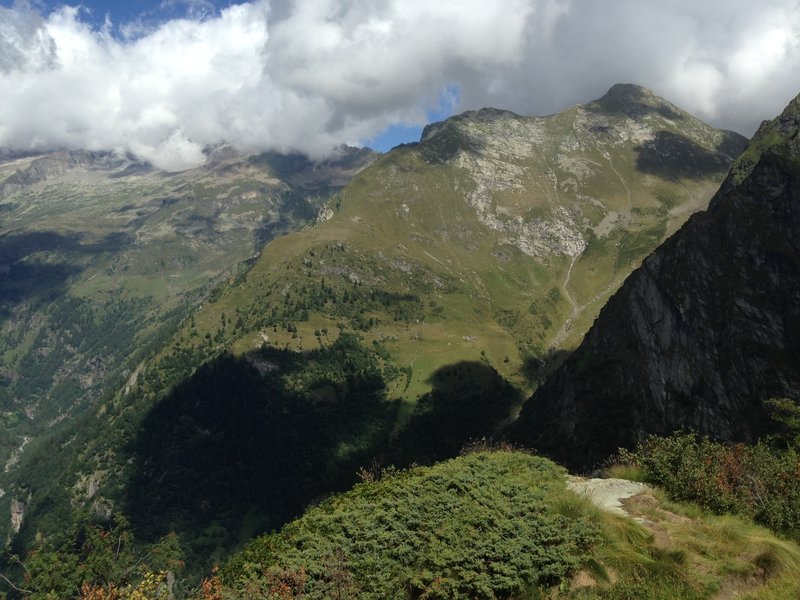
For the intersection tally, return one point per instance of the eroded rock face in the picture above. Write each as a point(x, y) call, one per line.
point(698, 337)
point(563, 159)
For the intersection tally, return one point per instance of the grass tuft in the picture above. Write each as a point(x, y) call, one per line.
point(631, 472)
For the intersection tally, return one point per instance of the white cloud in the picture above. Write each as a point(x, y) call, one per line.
point(24, 43)
point(308, 75)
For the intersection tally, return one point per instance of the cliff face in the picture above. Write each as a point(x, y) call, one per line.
point(699, 336)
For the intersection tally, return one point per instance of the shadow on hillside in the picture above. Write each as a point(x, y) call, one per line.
point(673, 156)
point(17, 246)
point(28, 272)
point(732, 144)
point(446, 142)
point(285, 166)
point(243, 445)
point(469, 401)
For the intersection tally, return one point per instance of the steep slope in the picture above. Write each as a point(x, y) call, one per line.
point(101, 255)
point(703, 333)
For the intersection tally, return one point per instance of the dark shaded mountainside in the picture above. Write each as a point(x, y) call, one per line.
point(703, 333)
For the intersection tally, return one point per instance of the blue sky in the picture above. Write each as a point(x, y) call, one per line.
point(402, 133)
point(124, 11)
point(397, 134)
point(171, 78)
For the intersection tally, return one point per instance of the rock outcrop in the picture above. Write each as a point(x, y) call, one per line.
point(702, 334)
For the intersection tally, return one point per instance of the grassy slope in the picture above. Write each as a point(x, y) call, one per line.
point(503, 525)
point(406, 227)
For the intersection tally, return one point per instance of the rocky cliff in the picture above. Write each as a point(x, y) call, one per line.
point(703, 333)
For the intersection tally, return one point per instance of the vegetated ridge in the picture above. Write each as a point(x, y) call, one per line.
point(504, 525)
point(102, 256)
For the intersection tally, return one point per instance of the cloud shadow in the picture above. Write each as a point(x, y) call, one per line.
point(37, 265)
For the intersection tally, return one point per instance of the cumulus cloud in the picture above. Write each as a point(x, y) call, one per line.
point(308, 75)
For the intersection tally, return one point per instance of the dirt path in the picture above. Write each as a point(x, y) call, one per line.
point(670, 531)
point(562, 333)
point(622, 181)
point(565, 285)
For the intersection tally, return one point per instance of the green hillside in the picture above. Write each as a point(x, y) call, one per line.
point(496, 238)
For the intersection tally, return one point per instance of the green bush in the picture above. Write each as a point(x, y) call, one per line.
point(761, 481)
point(480, 526)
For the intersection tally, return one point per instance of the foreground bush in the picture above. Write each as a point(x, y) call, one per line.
point(481, 526)
point(761, 481)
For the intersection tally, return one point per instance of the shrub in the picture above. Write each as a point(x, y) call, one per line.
point(759, 481)
point(480, 526)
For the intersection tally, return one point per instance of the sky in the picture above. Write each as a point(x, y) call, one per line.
point(167, 79)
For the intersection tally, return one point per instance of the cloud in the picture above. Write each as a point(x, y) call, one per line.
point(24, 41)
point(309, 75)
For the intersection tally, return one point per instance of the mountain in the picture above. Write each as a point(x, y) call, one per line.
point(431, 292)
point(497, 238)
point(703, 333)
point(102, 255)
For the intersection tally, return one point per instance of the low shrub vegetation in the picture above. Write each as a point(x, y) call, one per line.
point(760, 481)
point(485, 525)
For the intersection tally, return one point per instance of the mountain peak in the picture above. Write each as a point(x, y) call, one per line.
point(634, 101)
point(628, 90)
point(484, 114)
